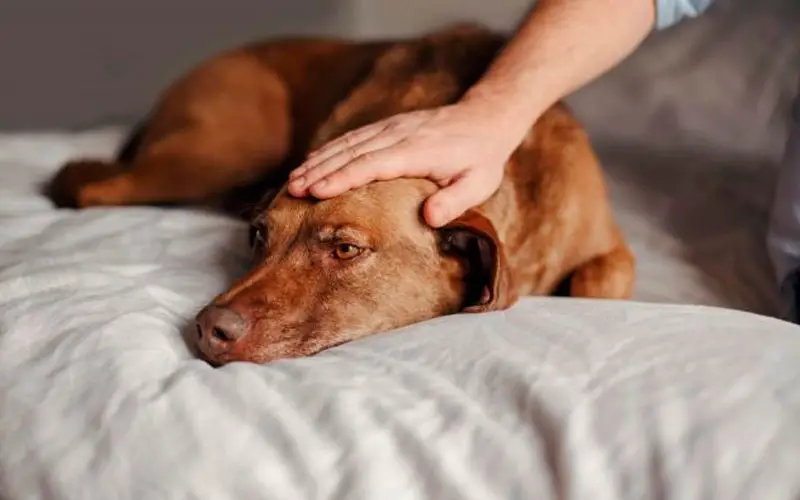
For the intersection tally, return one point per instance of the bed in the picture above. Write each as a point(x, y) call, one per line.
point(692, 390)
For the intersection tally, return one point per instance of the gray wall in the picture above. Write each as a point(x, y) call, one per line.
point(408, 17)
point(66, 63)
point(77, 63)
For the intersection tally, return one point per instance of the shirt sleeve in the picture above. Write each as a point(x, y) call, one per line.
point(671, 12)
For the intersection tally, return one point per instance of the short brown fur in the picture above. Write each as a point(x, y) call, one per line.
point(331, 271)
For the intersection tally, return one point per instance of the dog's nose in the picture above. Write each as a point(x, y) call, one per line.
point(219, 328)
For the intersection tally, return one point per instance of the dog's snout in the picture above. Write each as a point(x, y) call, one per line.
point(220, 328)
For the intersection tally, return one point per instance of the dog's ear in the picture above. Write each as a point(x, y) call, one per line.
point(473, 238)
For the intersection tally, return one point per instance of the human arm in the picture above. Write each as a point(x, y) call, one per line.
point(560, 46)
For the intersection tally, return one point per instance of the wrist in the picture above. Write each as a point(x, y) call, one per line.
point(504, 112)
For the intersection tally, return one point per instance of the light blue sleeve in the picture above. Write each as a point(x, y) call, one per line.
point(671, 12)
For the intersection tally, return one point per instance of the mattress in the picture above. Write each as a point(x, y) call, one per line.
point(664, 397)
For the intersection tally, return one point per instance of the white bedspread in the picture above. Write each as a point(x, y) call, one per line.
point(100, 397)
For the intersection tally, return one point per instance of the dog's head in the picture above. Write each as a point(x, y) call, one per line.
point(327, 272)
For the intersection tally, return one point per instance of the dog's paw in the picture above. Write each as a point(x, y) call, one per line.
point(72, 184)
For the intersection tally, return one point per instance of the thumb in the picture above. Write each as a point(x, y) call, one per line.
point(452, 201)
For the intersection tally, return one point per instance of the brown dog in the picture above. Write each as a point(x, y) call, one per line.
point(331, 271)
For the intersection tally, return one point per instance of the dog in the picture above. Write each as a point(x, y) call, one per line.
point(326, 272)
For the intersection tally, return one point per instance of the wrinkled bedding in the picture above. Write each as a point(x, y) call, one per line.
point(690, 392)
point(100, 397)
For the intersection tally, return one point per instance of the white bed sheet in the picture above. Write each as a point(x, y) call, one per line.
point(100, 397)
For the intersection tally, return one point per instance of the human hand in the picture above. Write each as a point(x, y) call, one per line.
point(457, 146)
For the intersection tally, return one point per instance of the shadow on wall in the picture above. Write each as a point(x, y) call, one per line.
point(710, 213)
point(724, 81)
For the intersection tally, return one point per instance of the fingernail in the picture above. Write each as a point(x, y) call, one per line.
point(298, 182)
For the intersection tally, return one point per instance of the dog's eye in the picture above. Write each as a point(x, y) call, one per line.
point(345, 251)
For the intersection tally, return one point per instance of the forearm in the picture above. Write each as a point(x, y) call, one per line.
point(561, 46)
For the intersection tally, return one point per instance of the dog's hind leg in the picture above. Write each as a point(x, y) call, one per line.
point(611, 275)
point(64, 188)
point(211, 134)
point(187, 167)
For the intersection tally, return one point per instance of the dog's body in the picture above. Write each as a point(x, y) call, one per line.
point(364, 261)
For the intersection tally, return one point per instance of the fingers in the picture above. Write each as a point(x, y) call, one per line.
point(348, 141)
point(383, 164)
point(410, 145)
point(451, 202)
point(362, 158)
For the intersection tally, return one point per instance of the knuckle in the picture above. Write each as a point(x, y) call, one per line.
point(352, 153)
point(311, 173)
point(337, 178)
point(326, 170)
point(364, 159)
point(349, 138)
point(391, 125)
